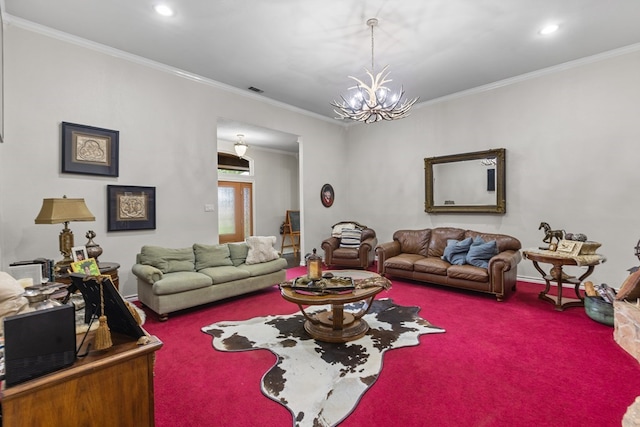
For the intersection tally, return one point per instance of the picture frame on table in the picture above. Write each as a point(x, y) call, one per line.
point(88, 267)
point(569, 247)
point(79, 253)
point(89, 150)
point(131, 208)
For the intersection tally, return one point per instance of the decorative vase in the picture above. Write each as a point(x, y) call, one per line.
point(93, 249)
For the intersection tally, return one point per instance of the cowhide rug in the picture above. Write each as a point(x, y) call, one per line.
point(319, 382)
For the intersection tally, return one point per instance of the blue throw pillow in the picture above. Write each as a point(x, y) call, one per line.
point(456, 251)
point(480, 252)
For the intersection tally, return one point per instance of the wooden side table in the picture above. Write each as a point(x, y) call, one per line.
point(556, 275)
point(106, 268)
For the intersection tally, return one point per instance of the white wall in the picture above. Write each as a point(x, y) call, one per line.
point(167, 130)
point(572, 142)
point(571, 139)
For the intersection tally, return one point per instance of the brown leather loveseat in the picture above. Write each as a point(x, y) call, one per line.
point(417, 255)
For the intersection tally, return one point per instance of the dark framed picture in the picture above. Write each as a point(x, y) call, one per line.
point(327, 195)
point(131, 208)
point(89, 150)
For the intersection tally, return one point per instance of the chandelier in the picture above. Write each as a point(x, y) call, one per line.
point(375, 102)
point(240, 147)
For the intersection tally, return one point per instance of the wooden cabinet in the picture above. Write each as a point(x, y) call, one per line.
point(112, 387)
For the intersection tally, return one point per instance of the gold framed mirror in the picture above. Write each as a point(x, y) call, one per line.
point(466, 183)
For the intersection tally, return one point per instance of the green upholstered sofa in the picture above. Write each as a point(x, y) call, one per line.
point(174, 279)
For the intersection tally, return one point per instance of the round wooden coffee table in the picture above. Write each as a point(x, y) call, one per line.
point(336, 325)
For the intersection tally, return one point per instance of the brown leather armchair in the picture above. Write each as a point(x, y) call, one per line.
point(361, 256)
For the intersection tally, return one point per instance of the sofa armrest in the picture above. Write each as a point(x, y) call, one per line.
point(368, 246)
point(147, 273)
point(369, 243)
point(504, 261)
point(328, 246)
point(384, 251)
point(330, 243)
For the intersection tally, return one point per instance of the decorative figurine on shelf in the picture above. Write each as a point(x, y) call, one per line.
point(93, 249)
point(550, 234)
point(578, 237)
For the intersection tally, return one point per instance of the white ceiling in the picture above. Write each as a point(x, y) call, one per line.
point(300, 52)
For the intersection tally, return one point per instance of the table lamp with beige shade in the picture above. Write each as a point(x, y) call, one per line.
point(63, 211)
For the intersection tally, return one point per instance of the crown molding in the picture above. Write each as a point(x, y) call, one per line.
point(534, 74)
point(66, 37)
point(47, 31)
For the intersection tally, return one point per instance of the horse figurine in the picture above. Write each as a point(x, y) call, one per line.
point(550, 234)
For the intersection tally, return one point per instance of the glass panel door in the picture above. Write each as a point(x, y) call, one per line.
point(234, 211)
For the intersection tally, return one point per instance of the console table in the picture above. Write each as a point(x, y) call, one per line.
point(557, 275)
point(112, 387)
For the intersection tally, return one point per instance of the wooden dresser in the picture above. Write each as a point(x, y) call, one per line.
point(113, 387)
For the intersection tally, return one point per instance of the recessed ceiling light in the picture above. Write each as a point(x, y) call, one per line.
point(549, 29)
point(163, 10)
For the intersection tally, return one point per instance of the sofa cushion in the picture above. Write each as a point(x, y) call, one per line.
point(168, 260)
point(432, 265)
point(413, 241)
point(350, 238)
point(211, 256)
point(264, 267)
point(439, 238)
point(403, 261)
point(224, 274)
point(181, 281)
point(346, 253)
point(456, 251)
point(468, 272)
point(481, 252)
point(238, 252)
point(504, 242)
point(261, 249)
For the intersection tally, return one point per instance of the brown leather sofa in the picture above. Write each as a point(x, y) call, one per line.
point(360, 257)
point(417, 255)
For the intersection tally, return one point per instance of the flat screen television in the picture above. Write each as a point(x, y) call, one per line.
point(38, 342)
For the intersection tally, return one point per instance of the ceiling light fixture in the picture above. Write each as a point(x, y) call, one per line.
point(163, 10)
point(240, 147)
point(549, 29)
point(373, 103)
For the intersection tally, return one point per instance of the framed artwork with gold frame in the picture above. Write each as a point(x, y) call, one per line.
point(89, 150)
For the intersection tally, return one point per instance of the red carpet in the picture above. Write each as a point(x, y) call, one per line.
point(516, 363)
